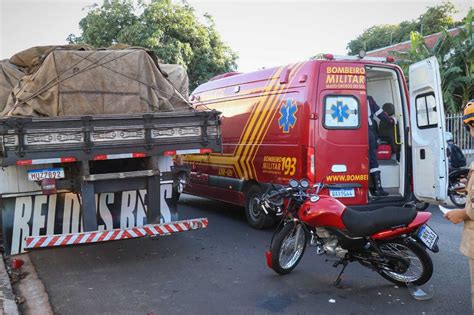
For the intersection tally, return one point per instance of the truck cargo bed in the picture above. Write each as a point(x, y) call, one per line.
point(82, 138)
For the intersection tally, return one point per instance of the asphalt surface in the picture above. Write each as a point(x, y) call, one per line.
point(223, 270)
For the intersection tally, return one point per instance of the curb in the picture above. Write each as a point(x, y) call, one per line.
point(32, 290)
point(7, 298)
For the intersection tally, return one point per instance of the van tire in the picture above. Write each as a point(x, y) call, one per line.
point(255, 216)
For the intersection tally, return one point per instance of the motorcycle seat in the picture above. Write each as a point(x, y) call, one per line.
point(367, 223)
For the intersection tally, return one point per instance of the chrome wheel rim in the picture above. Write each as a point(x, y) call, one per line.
point(459, 199)
point(292, 247)
point(254, 212)
point(415, 269)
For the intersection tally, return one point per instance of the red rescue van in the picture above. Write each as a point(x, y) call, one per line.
point(301, 120)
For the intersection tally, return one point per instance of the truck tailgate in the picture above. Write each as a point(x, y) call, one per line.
point(81, 138)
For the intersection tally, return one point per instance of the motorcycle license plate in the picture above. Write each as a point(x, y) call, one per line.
point(342, 192)
point(47, 173)
point(428, 236)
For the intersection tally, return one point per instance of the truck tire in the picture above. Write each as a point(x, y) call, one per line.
point(255, 216)
point(175, 195)
point(182, 180)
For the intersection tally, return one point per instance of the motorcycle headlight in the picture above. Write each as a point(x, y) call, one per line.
point(304, 183)
point(293, 183)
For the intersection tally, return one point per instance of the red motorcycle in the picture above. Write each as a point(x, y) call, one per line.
point(392, 241)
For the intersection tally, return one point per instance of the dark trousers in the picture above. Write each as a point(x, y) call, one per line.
point(373, 164)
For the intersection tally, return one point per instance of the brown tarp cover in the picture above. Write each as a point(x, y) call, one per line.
point(79, 80)
point(10, 75)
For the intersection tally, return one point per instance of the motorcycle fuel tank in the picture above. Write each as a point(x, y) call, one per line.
point(322, 211)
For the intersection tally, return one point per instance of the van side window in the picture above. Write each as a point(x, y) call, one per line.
point(341, 112)
point(426, 116)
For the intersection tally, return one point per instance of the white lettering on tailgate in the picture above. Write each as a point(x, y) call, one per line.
point(23, 208)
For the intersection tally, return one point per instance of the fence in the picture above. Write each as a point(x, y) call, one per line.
point(462, 138)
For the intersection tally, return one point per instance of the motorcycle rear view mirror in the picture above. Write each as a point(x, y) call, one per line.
point(339, 168)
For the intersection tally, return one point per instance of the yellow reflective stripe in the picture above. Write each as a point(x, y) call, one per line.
point(249, 123)
point(258, 121)
point(264, 115)
point(266, 112)
point(272, 112)
point(253, 122)
point(233, 159)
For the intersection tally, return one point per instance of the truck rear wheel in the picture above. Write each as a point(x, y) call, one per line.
point(175, 195)
point(179, 187)
point(255, 215)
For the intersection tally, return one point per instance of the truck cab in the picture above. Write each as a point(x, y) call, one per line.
point(300, 120)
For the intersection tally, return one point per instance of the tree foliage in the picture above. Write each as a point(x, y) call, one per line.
point(171, 30)
point(434, 20)
point(455, 56)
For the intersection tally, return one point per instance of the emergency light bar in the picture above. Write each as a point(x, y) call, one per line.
point(345, 57)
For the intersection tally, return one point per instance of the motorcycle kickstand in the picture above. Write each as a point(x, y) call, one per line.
point(338, 280)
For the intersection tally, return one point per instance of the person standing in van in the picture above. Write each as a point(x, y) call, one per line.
point(466, 215)
point(374, 110)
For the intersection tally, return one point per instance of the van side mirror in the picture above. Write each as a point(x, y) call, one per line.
point(339, 168)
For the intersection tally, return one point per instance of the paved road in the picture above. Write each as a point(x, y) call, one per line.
point(222, 270)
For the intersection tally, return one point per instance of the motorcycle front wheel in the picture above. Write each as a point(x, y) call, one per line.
point(288, 247)
point(416, 268)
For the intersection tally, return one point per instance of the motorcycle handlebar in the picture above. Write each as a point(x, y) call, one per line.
point(281, 192)
point(278, 193)
point(267, 203)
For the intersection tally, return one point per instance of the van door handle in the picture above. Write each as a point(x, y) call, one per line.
point(422, 154)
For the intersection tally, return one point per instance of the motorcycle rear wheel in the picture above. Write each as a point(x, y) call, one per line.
point(458, 200)
point(420, 267)
point(288, 247)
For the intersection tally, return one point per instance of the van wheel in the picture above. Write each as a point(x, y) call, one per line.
point(255, 215)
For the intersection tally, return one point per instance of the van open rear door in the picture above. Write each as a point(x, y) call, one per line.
point(430, 164)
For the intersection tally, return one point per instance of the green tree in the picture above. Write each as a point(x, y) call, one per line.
point(455, 55)
point(171, 30)
point(434, 20)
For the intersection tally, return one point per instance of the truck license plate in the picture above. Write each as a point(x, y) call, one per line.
point(342, 192)
point(47, 173)
point(428, 236)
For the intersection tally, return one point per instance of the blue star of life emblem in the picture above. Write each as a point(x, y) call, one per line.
point(340, 111)
point(288, 115)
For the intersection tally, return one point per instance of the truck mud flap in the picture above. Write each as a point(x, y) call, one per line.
point(47, 241)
